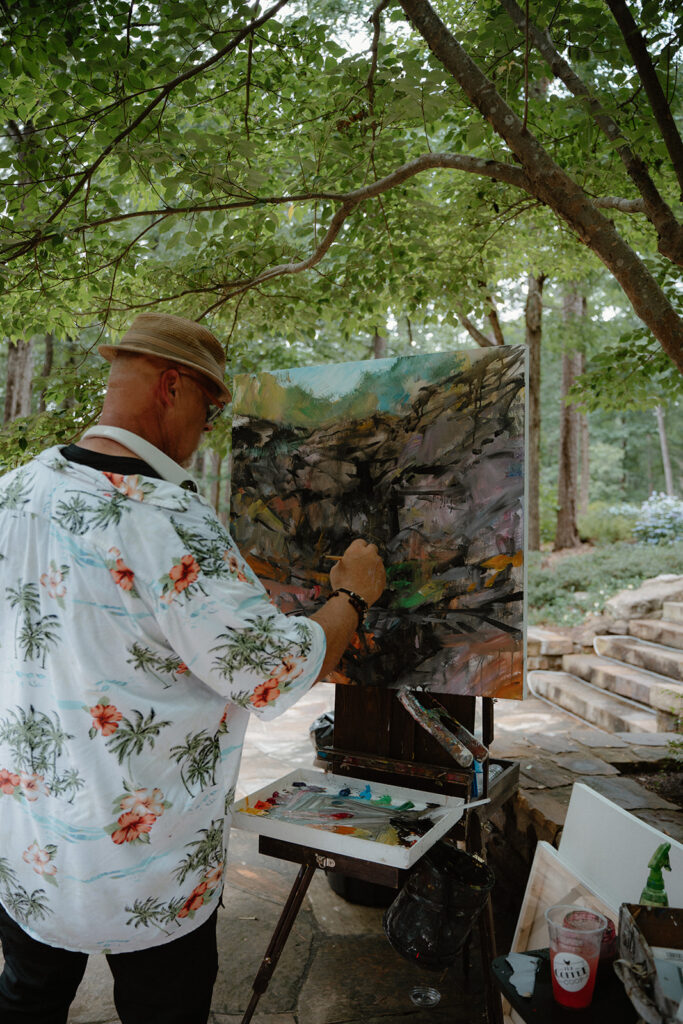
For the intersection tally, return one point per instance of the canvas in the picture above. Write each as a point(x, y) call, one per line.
point(424, 455)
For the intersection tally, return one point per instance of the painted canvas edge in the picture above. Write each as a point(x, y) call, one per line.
point(473, 353)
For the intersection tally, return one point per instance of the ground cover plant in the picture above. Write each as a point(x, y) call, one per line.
point(562, 591)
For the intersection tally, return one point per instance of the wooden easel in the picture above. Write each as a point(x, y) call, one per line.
point(376, 739)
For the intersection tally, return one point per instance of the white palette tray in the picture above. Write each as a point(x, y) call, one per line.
point(445, 816)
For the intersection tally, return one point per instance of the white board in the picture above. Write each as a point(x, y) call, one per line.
point(609, 849)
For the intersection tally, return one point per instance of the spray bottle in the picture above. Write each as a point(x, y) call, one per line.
point(653, 895)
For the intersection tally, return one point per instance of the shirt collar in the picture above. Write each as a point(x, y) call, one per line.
point(153, 456)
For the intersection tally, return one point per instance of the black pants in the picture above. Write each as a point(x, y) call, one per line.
point(169, 984)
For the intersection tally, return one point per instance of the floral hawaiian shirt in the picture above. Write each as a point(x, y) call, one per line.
point(134, 643)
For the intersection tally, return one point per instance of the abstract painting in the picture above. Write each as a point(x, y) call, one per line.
point(422, 455)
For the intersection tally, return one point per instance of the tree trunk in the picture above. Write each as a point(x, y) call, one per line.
point(584, 488)
point(216, 482)
point(663, 444)
point(533, 315)
point(18, 384)
point(47, 366)
point(379, 345)
point(567, 535)
point(584, 447)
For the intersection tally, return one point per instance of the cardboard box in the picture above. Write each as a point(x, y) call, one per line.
point(650, 961)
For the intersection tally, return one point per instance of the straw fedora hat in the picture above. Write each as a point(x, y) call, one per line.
point(177, 339)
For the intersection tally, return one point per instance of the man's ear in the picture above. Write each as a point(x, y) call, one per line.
point(168, 385)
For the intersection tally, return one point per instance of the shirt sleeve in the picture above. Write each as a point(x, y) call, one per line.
point(216, 615)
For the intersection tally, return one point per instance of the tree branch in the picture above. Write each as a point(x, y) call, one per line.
point(481, 339)
point(375, 21)
point(552, 185)
point(233, 288)
point(615, 203)
point(197, 69)
point(669, 231)
point(648, 76)
point(494, 321)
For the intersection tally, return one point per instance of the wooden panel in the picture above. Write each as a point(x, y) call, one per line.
point(370, 720)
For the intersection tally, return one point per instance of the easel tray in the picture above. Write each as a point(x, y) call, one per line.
point(305, 813)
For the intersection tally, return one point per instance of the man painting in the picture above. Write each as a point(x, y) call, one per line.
point(135, 643)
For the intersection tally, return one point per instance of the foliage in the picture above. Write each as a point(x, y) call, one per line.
point(171, 158)
point(563, 591)
point(604, 524)
point(660, 520)
point(646, 376)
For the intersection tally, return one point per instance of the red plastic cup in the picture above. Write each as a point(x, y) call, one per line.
point(575, 937)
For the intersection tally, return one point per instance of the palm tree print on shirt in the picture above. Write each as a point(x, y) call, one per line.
point(15, 493)
point(127, 737)
point(36, 743)
point(21, 903)
point(199, 757)
point(268, 652)
point(214, 554)
point(76, 515)
point(34, 633)
point(143, 659)
point(206, 857)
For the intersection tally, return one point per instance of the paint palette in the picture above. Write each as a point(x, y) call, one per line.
point(368, 820)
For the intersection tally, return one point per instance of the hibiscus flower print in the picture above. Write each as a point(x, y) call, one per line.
point(41, 860)
point(194, 900)
point(141, 808)
point(128, 485)
point(105, 719)
point(214, 877)
point(287, 672)
point(133, 826)
point(33, 786)
point(234, 567)
point(184, 573)
point(265, 693)
point(285, 675)
point(53, 582)
point(144, 801)
point(122, 575)
point(180, 579)
point(9, 781)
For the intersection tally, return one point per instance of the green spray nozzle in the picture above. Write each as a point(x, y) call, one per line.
point(653, 895)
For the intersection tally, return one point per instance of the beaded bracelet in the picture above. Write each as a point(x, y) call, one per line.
point(359, 604)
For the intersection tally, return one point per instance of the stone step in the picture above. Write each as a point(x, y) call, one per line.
point(621, 680)
point(665, 661)
point(658, 631)
point(672, 611)
point(541, 641)
point(590, 703)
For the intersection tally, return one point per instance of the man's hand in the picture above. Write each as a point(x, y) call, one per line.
point(361, 570)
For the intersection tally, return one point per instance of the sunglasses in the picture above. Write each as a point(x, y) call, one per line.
point(215, 408)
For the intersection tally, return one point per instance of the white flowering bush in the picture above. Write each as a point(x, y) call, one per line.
point(660, 520)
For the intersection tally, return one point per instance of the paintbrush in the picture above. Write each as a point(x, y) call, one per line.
point(334, 558)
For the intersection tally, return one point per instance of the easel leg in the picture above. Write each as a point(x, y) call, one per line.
point(487, 938)
point(279, 937)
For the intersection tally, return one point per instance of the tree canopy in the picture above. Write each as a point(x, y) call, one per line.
point(303, 168)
